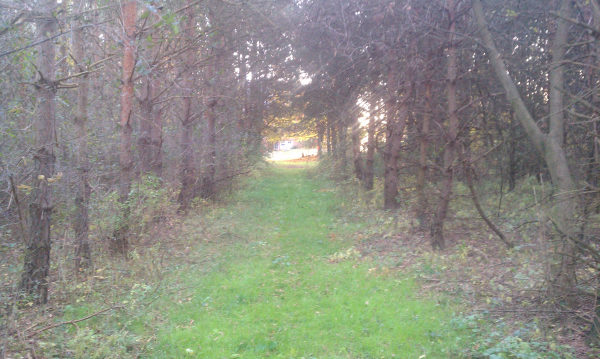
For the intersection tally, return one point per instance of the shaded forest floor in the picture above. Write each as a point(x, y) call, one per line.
point(293, 266)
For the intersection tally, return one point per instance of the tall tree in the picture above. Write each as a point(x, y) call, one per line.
point(550, 144)
point(36, 267)
point(150, 136)
point(83, 253)
point(119, 242)
point(396, 111)
point(450, 132)
point(187, 170)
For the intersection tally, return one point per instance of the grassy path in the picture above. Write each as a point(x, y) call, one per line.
point(275, 293)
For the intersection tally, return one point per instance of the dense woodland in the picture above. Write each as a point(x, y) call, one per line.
point(112, 111)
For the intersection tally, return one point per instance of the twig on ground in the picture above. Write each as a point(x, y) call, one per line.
point(73, 322)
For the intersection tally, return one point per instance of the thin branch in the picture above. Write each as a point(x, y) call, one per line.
point(77, 75)
point(72, 322)
point(46, 39)
point(595, 31)
point(594, 252)
point(469, 176)
point(17, 202)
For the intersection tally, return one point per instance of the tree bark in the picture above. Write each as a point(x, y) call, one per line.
point(150, 137)
point(370, 157)
point(422, 198)
point(119, 242)
point(187, 171)
point(83, 254)
point(207, 189)
point(342, 130)
point(451, 133)
point(562, 276)
point(357, 157)
point(36, 267)
point(334, 137)
point(320, 131)
point(328, 125)
point(397, 115)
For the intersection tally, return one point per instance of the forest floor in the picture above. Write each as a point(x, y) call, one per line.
point(294, 265)
point(290, 283)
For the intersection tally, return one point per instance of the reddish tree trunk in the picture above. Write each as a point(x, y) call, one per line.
point(119, 242)
point(36, 267)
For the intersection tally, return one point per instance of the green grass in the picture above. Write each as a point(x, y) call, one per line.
point(274, 291)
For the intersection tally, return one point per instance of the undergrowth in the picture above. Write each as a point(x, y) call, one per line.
point(508, 312)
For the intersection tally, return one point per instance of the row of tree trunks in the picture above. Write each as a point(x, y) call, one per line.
point(34, 280)
point(450, 135)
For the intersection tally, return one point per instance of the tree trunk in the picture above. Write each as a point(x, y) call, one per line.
point(150, 140)
point(156, 165)
point(328, 137)
point(83, 254)
point(187, 171)
point(562, 276)
point(119, 242)
point(391, 153)
point(343, 148)
point(370, 148)
point(358, 161)
point(320, 130)
point(36, 267)
point(422, 198)
point(146, 116)
point(150, 137)
point(397, 115)
point(451, 133)
point(207, 189)
point(334, 138)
